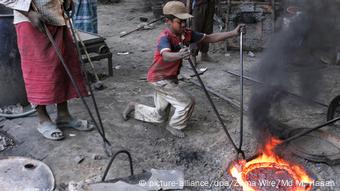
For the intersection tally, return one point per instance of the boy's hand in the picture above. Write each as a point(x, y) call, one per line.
point(240, 28)
point(184, 52)
point(37, 20)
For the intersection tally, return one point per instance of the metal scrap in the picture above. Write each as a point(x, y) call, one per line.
point(6, 141)
point(318, 146)
point(12, 109)
point(79, 159)
point(19, 173)
point(152, 180)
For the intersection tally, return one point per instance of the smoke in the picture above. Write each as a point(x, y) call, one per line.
point(292, 59)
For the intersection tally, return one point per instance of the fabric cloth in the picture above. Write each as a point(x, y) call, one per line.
point(203, 21)
point(46, 80)
point(168, 41)
point(85, 16)
point(51, 9)
point(167, 93)
point(196, 3)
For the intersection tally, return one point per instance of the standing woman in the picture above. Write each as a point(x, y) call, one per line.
point(46, 80)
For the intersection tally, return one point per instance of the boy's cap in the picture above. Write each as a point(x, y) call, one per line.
point(177, 9)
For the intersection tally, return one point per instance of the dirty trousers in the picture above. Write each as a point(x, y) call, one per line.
point(167, 94)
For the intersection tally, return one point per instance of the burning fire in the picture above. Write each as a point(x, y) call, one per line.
point(279, 173)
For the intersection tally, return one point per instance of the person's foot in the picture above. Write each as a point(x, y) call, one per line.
point(129, 108)
point(50, 131)
point(206, 58)
point(175, 132)
point(201, 68)
point(73, 123)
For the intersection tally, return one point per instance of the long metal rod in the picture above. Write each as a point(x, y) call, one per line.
point(309, 131)
point(138, 28)
point(233, 103)
point(74, 84)
point(88, 82)
point(273, 15)
point(236, 104)
point(287, 92)
point(215, 110)
point(241, 91)
point(84, 48)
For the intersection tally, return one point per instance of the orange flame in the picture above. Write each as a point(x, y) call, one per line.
point(267, 159)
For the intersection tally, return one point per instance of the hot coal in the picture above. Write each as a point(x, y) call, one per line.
point(270, 179)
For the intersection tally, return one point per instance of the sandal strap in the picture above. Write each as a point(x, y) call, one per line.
point(47, 129)
point(74, 123)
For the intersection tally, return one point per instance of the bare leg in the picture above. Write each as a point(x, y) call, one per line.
point(129, 108)
point(44, 119)
point(65, 120)
point(42, 114)
point(63, 112)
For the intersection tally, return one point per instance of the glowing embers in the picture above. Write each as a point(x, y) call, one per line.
point(269, 172)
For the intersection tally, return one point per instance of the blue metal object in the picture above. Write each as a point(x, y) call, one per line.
point(12, 88)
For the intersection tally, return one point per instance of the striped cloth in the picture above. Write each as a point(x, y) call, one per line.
point(85, 15)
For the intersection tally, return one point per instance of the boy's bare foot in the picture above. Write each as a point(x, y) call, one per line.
point(175, 132)
point(129, 108)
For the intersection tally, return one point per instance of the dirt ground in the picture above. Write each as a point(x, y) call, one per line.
point(203, 155)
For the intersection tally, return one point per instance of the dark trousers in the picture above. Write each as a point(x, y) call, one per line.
point(203, 21)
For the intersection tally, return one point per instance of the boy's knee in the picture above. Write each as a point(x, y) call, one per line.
point(186, 102)
point(191, 101)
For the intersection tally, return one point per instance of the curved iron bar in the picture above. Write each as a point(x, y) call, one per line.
point(113, 158)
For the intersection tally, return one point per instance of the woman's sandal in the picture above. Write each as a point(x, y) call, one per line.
point(50, 131)
point(78, 124)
